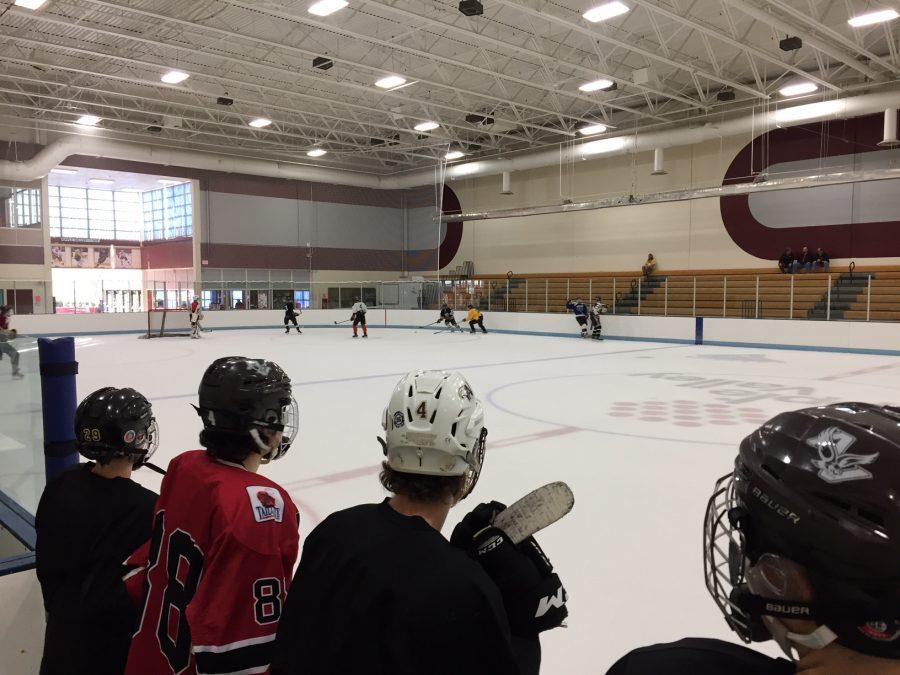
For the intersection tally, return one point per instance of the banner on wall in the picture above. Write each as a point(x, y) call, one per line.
point(79, 256)
point(59, 256)
point(102, 257)
point(124, 258)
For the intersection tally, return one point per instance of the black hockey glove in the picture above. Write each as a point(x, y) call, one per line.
point(533, 595)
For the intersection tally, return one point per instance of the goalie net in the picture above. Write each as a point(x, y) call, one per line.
point(168, 323)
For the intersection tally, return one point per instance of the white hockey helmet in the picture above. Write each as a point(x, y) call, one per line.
point(434, 426)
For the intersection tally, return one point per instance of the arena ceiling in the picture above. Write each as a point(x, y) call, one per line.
point(504, 81)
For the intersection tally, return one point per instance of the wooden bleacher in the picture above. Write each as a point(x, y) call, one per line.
point(729, 293)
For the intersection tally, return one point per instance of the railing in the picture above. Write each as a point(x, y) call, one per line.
point(873, 296)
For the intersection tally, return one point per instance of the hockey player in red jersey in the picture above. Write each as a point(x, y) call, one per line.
point(225, 538)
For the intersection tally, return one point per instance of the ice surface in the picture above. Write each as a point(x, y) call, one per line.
point(640, 432)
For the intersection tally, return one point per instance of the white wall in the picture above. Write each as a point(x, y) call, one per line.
point(833, 335)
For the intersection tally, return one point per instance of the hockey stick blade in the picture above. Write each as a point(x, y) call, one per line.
point(538, 509)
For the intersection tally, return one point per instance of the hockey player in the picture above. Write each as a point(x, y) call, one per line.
point(475, 318)
point(597, 310)
point(581, 311)
point(7, 334)
point(379, 591)
point(802, 546)
point(447, 317)
point(196, 317)
point(224, 538)
point(358, 316)
point(90, 518)
point(290, 316)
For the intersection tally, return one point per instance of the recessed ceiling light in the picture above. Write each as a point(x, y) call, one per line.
point(869, 18)
point(454, 154)
point(592, 129)
point(102, 181)
point(390, 82)
point(167, 182)
point(426, 126)
point(174, 77)
point(326, 7)
point(64, 171)
point(596, 85)
point(798, 89)
point(88, 120)
point(316, 152)
point(606, 11)
point(259, 122)
point(30, 4)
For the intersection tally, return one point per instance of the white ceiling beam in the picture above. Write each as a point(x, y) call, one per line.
point(596, 35)
point(808, 39)
point(822, 29)
point(743, 46)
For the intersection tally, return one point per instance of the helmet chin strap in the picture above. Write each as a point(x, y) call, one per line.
point(820, 638)
point(267, 450)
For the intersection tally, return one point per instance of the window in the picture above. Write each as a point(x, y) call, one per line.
point(301, 299)
point(25, 208)
point(79, 213)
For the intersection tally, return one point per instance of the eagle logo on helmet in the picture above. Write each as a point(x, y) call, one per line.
point(261, 367)
point(835, 464)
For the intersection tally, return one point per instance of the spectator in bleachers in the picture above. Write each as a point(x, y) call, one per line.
point(804, 261)
point(786, 261)
point(649, 267)
point(821, 260)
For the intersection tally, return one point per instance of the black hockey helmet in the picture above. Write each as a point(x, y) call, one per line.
point(114, 423)
point(238, 397)
point(821, 488)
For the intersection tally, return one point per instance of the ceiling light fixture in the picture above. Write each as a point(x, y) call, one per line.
point(316, 152)
point(798, 89)
point(88, 120)
point(390, 82)
point(174, 77)
point(606, 11)
point(259, 122)
point(326, 7)
point(592, 129)
point(30, 4)
point(869, 18)
point(426, 126)
point(454, 154)
point(67, 172)
point(102, 181)
point(596, 85)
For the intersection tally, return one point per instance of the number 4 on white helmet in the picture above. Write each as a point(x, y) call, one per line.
point(435, 427)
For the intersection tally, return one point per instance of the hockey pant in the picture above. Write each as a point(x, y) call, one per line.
point(361, 320)
point(477, 322)
point(595, 328)
point(12, 353)
point(582, 321)
point(290, 319)
point(450, 321)
point(195, 329)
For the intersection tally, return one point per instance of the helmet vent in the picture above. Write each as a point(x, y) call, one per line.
point(769, 470)
point(409, 414)
point(410, 394)
point(433, 415)
point(875, 519)
point(453, 430)
point(438, 393)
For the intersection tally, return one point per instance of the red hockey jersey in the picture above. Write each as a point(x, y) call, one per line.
point(216, 570)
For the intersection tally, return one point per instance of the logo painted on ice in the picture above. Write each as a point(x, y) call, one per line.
point(266, 502)
point(835, 464)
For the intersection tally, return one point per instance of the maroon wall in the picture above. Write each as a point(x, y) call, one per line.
point(159, 255)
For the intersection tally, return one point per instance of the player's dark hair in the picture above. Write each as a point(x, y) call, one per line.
point(228, 445)
point(430, 489)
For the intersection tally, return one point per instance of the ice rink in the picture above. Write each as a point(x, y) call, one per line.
point(640, 431)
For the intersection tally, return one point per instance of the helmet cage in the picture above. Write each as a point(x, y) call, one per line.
point(475, 460)
point(285, 418)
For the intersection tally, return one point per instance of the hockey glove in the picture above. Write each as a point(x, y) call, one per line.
point(533, 595)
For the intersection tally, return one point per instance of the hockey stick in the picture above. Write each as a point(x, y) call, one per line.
point(155, 468)
point(429, 324)
point(344, 321)
point(538, 509)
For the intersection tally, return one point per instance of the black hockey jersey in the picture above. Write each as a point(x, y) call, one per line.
point(87, 525)
point(699, 656)
point(381, 593)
